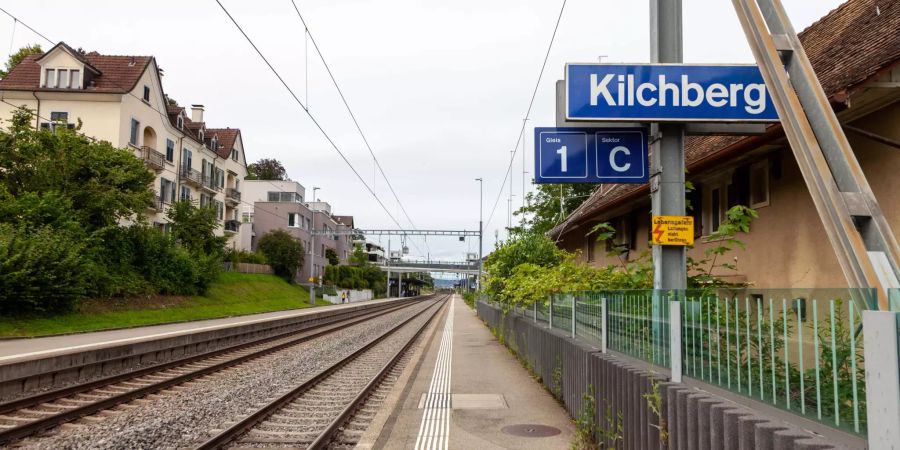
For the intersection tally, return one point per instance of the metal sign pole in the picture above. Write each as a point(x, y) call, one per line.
point(667, 166)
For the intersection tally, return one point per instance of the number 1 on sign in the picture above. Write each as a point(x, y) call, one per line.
point(564, 163)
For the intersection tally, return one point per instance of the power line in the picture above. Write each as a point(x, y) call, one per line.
point(352, 116)
point(311, 117)
point(527, 114)
point(165, 118)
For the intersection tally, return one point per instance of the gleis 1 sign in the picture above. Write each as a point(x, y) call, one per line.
point(667, 93)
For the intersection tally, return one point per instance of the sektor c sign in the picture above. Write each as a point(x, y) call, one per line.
point(590, 155)
point(667, 93)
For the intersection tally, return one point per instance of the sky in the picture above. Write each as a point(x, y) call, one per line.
point(440, 89)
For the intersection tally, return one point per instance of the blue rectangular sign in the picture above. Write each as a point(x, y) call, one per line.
point(590, 155)
point(667, 93)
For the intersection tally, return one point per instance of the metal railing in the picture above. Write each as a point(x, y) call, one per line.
point(153, 158)
point(232, 225)
point(233, 194)
point(193, 176)
point(800, 350)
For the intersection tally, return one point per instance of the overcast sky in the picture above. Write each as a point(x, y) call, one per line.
point(440, 88)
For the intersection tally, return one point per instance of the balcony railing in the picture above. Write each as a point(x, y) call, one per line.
point(232, 225)
point(153, 158)
point(157, 204)
point(233, 194)
point(191, 176)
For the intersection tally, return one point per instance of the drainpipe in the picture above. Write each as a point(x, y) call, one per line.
point(37, 114)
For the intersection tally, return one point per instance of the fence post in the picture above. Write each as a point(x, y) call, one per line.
point(675, 339)
point(882, 378)
point(550, 315)
point(603, 325)
point(534, 305)
point(574, 303)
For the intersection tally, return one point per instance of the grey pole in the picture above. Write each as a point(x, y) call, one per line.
point(667, 170)
point(387, 263)
point(312, 260)
point(480, 226)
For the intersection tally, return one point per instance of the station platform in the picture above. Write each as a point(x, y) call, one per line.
point(464, 390)
point(17, 349)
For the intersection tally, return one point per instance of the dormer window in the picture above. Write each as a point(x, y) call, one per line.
point(200, 133)
point(179, 122)
point(62, 78)
point(214, 143)
point(146, 93)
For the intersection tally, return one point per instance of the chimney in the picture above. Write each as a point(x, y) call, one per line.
point(196, 113)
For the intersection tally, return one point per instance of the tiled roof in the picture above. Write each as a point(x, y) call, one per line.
point(857, 40)
point(118, 74)
point(227, 138)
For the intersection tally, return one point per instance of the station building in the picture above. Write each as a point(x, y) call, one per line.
point(120, 99)
point(855, 51)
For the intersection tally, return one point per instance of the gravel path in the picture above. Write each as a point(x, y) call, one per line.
point(184, 415)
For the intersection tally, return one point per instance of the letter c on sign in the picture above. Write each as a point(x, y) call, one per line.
point(612, 159)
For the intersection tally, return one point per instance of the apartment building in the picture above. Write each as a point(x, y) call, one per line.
point(279, 205)
point(120, 99)
point(855, 51)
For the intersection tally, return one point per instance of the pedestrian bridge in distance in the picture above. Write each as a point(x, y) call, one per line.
point(469, 268)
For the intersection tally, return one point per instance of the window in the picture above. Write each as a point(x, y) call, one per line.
point(75, 82)
point(146, 93)
point(716, 210)
point(170, 150)
point(220, 178)
point(274, 196)
point(50, 78)
point(179, 122)
point(214, 143)
point(220, 209)
point(135, 127)
point(57, 117)
point(294, 220)
point(186, 157)
point(166, 190)
point(200, 134)
point(759, 184)
point(590, 243)
point(234, 154)
point(185, 193)
point(62, 79)
point(247, 217)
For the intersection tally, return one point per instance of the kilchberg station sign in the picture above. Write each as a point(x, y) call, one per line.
point(667, 93)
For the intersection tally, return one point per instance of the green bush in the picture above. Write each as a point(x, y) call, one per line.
point(284, 253)
point(41, 271)
point(242, 256)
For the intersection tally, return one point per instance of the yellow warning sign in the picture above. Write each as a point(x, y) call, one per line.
point(673, 230)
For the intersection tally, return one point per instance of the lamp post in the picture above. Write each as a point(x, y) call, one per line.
point(312, 252)
point(480, 212)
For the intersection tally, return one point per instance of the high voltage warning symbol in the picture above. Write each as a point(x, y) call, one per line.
point(673, 230)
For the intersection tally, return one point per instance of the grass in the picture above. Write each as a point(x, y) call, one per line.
point(233, 294)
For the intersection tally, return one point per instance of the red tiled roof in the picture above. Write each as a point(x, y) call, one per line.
point(851, 44)
point(227, 138)
point(118, 74)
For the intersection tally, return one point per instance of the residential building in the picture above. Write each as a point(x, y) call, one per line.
point(855, 51)
point(120, 99)
point(278, 205)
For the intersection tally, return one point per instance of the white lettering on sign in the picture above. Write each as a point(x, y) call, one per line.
point(612, 159)
point(564, 164)
point(552, 140)
point(686, 94)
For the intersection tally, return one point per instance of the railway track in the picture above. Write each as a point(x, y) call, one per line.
point(29, 415)
point(315, 414)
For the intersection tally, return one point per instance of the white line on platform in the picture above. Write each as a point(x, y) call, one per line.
point(434, 432)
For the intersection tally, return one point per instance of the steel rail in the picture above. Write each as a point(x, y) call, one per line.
point(238, 429)
point(331, 430)
point(52, 421)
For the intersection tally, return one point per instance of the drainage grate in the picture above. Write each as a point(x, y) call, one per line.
point(530, 430)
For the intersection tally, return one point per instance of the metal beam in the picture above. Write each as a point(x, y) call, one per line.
point(356, 231)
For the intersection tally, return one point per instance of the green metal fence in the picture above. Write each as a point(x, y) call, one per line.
point(800, 350)
point(894, 299)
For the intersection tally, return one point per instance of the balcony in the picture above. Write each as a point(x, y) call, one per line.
point(191, 176)
point(156, 205)
point(232, 226)
point(209, 184)
point(153, 159)
point(232, 195)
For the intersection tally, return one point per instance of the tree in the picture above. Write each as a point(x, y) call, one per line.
point(195, 228)
point(283, 252)
point(542, 211)
point(267, 169)
point(332, 257)
point(18, 56)
point(359, 257)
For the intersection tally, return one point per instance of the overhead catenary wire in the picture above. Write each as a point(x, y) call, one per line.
point(163, 115)
point(312, 117)
point(521, 132)
point(309, 35)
